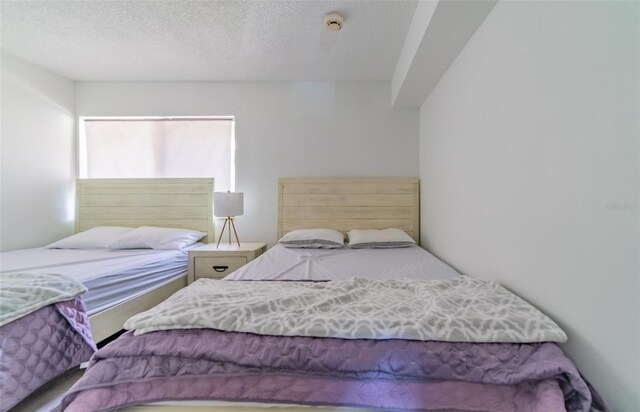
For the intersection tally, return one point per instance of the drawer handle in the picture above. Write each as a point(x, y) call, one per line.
point(220, 269)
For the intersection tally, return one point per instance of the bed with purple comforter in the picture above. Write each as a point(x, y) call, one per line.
point(397, 374)
point(180, 350)
point(44, 333)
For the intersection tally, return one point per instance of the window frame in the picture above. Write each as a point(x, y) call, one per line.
point(82, 139)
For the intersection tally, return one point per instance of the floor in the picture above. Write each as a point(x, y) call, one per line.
point(49, 396)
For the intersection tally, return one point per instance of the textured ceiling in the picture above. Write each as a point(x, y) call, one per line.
point(207, 40)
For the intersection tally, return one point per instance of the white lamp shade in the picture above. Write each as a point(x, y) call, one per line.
point(228, 204)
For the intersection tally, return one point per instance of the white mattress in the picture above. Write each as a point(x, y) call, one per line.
point(112, 276)
point(281, 263)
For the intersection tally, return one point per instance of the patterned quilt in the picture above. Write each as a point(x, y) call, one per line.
point(462, 309)
point(40, 346)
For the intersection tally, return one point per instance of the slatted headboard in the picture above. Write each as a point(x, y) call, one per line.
point(349, 203)
point(165, 202)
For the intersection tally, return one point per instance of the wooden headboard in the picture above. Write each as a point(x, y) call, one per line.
point(165, 202)
point(349, 203)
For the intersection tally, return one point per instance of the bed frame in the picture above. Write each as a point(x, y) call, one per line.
point(349, 203)
point(169, 202)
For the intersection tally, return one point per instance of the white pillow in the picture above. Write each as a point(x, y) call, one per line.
point(96, 238)
point(150, 237)
point(313, 239)
point(373, 238)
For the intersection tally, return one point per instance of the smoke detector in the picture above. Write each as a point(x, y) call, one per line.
point(333, 21)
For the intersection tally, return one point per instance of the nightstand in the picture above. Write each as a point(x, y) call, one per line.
point(209, 261)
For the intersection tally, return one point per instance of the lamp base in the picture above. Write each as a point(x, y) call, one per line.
point(229, 220)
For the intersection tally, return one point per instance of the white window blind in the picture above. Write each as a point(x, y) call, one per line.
point(158, 147)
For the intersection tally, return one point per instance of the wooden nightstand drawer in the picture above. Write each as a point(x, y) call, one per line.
point(212, 261)
point(218, 267)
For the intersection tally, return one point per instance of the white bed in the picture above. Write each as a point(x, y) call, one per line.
point(123, 283)
point(111, 276)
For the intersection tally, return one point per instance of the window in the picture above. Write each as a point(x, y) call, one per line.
point(128, 147)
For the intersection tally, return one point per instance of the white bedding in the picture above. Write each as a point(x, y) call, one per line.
point(281, 263)
point(112, 276)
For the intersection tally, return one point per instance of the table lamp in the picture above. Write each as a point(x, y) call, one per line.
point(228, 205)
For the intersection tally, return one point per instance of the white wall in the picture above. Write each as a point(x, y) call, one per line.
point(37, 155)
point(524, 144)
point(282, 130)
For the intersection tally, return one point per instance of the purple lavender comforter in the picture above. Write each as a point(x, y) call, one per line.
point(206, 364)
point(40, 346)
